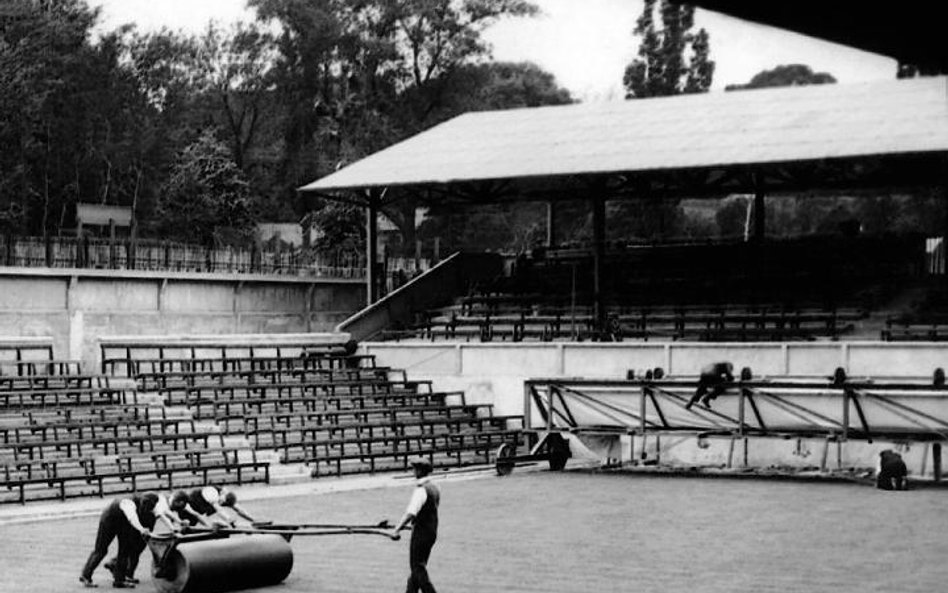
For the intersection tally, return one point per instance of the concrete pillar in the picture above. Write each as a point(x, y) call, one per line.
point(76, 320)
point(550, 223)
point(236, 306)
point(310, 293)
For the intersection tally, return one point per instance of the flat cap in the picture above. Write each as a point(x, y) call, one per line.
point(420, 462)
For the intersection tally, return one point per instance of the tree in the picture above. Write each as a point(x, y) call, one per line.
point(355, 77)
point(785, 75)
point(235, 77)
point(671, 60)
point(69, 114)
point(498, 85)
point(206, 199)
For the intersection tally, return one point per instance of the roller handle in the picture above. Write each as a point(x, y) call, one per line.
point(295, 532)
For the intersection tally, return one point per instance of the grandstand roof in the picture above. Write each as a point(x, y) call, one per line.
point(539, 147)
point(908, 34)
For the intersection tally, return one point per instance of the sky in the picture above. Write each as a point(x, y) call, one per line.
point(586, 44)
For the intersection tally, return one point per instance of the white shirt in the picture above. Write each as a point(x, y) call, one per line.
point(162, 507)
point(418, 498)
point(211, 495)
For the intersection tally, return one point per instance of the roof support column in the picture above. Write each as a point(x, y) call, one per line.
point(599, 253)
point(550, 223)
point(759, 256)
point(373, 199)
point(944, 236)
point(760, 216)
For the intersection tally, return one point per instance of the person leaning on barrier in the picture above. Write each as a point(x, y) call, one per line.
point(129, 520)
point(714, 379)
point(422, 513)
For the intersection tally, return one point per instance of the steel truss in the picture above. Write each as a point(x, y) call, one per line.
point(837, 408)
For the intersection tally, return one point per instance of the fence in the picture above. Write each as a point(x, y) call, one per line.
point(151, 255)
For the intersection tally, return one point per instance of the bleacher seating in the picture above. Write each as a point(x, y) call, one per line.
point(518, 319)
point(322, 405)
point(66, 434)
point(809, 288)
point(931, 326)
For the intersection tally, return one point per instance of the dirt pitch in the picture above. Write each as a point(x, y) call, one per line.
point(579, 532)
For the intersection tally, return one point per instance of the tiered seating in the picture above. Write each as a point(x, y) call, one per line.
point(329, 408)
point(802, 288)
point(72, 434)
point(930, 327)
point(517, 318)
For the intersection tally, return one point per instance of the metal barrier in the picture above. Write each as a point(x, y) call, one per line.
point(838, 407)
point(152, 255)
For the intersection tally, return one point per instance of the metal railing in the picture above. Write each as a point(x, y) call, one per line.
point(154, 255)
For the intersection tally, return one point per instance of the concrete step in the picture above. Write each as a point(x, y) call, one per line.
point(235, 441)
point(286, 473)
point(178, 412)
point(149, 399)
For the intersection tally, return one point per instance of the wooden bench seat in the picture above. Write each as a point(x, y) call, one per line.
point(276, 433)
point(193, 396)
point(172, 379)
point(445, 450)
point(72, 396)
point(231, 363)
point(101, 484)
point(102, 413)
point(103, 445)
point(56, 431)
point(10, 382)
point(378, 414)
point(40, 368)
point(251, 422)
point(915, 331)
point(127, 361)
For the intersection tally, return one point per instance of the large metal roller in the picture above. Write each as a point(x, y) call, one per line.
point(208, 564)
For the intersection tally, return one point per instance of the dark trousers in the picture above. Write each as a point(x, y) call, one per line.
point(708, 390)
point(111, 527)
point(419, 551)
point(136, 547)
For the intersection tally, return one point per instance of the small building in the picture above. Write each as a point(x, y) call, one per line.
point(103, 220)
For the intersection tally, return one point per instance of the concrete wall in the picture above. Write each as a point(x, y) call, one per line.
point(494, 373)
point(76, 307)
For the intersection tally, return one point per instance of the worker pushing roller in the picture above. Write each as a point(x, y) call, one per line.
point(128, 520)
point(213, 505)
point(202, 547)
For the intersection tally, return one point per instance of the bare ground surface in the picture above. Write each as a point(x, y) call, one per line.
point(578, 532)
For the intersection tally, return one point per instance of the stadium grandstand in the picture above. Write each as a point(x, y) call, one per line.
point(486, 336)
point(131, 366)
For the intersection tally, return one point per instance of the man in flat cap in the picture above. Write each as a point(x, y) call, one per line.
point(422, 513)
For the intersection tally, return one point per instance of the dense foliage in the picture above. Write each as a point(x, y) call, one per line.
point(204, 135)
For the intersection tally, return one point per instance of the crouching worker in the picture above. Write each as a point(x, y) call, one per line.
point(213, 506)
point(167, 511)
point(713, 381)
point(129, 520)
point(891, 472)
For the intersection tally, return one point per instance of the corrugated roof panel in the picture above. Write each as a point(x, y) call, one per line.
point(711, 129)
